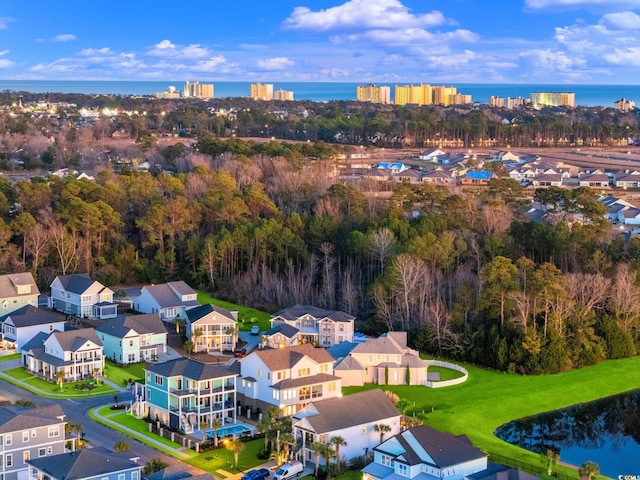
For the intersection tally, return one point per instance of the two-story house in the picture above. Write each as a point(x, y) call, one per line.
point(356, 418)
point(315, 325)
point(29, 433)
point(281, 336)
point(211, 328)
point(424, 452)
point(186, 394)
point(17, 290)
point(86, 464)
point(383, 360)
point(133, 338)
point(79, 295)
point(288, 378)
point(23, 324)
point(72, 355)
point(168, 300)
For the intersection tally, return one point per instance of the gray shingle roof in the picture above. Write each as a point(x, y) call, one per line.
point(380, 345)
point(302, 381)
point(349, 363)
point(176, 473)
point(9, 283)
point(166, 297)
point(36, 342)
point(72, 340)
point(76, 283)
point(285, 358)
point(13, 419)
point(285, 329)
point(83, 463)
point(195, 314)
point(298, 311)
point(29, 315)
point(445, 449)
point(189, 368)
point(121, 325)
point(351, 410)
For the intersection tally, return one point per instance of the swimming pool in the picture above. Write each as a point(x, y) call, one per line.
point(238, 429)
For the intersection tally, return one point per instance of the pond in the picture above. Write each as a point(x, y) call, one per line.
point(606, 432)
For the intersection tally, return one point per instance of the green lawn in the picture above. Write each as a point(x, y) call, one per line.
point(445, 373)
point(211, 461)
point(52, 390)
point(119, 374)
point(247, 317)
point(13, 356)
point(489, 399)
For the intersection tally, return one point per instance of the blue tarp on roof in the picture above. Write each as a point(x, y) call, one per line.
point(482, 175)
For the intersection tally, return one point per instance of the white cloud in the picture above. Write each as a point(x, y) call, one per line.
point(89, 52)
point(5, 62)
point(555, 4)
point(453, 60)
point(362, 14)
point(276, 63)
point(64, 37)
point(195, 51)
point(212, 64)
point(628, 56)
point(408, 36)
point(549, 60)
point(622, 20)
point(4, 22)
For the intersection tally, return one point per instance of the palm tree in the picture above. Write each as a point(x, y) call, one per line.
point(235, 446)
point(264, 426)
point(284, 444)
point(316, 448)
point(381, 428)
point(216, 424)
point(337, 442)
point(327, 452)
point(549, 459)
point(195, 335)
point(96, 372)
point(179, 323)
point(589, 470)
point(61, 375)
point(233, 331)
point(189, 346)
point(78, 429)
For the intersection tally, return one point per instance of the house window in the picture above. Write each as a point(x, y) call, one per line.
point(42, 452)
point(303, 372)
point(8, 440)
point(364, 429)
point(34, 433)
point(86, 298)
point(25, 436)
point(132, 357)
point(9, 461)
point(159, 380)
point(331, 387)
point(341, 328)
point(268, 375)
point(148, 377)
point(259, 372)
point(54, 431)
point(25, 456)
point(131, 343)
point(121, 476)
point(386, 460)
point(403, 470)
point(282, 375)
point(134, 475)
point(276, 395)
point(324, 367)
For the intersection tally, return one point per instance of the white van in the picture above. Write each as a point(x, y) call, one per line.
point(289, 470)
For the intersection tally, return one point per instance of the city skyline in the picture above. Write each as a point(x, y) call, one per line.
point(382, 41)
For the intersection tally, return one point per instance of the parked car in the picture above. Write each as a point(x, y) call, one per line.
point(289, 470)
point(255, 330)
point(259, 474)
point(240, 353)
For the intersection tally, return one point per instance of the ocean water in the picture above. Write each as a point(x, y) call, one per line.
point(586, 95)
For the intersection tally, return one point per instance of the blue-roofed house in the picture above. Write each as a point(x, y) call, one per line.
point(480, 177)
point(78, 294)
point(393, 167)
point(425, 453)
point(186, 394)
point(211, 328)
point(168, 300)
point(22, 325)
point(281, 336)
point(133, 338)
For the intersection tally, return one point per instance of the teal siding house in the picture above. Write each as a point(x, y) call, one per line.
point(188, 395)
point(133, 338)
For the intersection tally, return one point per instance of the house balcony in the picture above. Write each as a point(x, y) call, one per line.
point(184, 409)
point(97, 358)
point(183, 392)
point(150, 346)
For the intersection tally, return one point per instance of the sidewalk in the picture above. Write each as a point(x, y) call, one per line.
point(146, 439)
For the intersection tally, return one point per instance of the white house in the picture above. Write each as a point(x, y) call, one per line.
point(431, 154)
point(423, 452)
point(356, 418)
point(168, 300)
point(288, 378)
point(211, 328)
point(79, 295)
point(22, 325)
point(320, 327)
point(16, 291)
point(281, 336)
point(74, 354)
point(133, 338)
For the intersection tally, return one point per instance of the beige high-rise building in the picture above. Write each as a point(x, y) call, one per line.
point(262, 91)
point(496, 101)
point(443, 95)
point(373, 93)
point(283, 95)
point(553, 99)
point(459, 99)
point(515, 102)
point(624, 105)
point(197, 90)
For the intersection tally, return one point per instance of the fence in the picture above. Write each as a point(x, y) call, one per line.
point(528, 467)
point(447, 383)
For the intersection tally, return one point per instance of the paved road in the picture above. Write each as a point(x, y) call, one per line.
point(96, 434)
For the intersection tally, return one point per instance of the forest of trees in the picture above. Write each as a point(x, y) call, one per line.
point(270, 225)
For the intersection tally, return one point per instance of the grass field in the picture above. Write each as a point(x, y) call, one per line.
point(52, 390)
point(7, 358)
point(489, 399)
point(247, 317)
point(119, 374)
point(446, 373)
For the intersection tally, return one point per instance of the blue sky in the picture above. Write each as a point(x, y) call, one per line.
point(387, 41)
